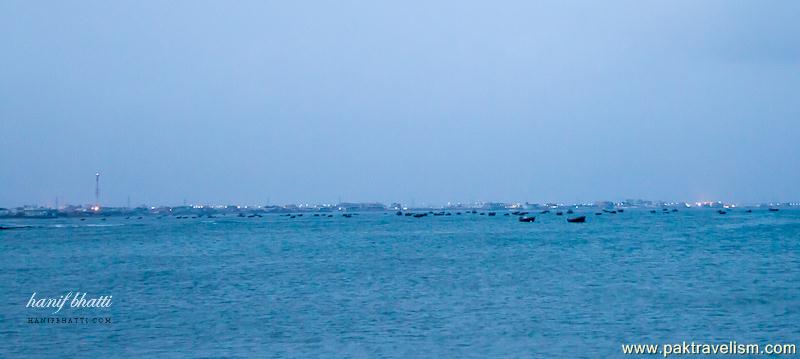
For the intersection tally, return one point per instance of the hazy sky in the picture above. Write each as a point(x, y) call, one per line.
point(430, 101)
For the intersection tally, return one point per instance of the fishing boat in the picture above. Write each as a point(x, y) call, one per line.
point(580, 219)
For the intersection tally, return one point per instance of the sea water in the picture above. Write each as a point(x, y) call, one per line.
point(381, 285)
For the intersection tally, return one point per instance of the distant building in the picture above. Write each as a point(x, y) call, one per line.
point(38, 213)
point(604, 204)
point(358, 207)
point(494, 205)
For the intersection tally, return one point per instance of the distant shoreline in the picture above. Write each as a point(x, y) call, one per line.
point(255, 211)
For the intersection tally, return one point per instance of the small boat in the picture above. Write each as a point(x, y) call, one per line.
point(620, 210)
point(749, 211)
point(653, 211)
point(674, 209)
point(506, 214)
point(347, 215)
point(580, 219)
point(569, 211)
point(612, 212)
point(492, 214)
point(545, 211)
point(420, 215)
point(4, 228)
point(721, 212)
point(458, 213)
point(598, 214)
point(399, 213)
point(527, 219)
point(774, 209)
point(559, 213)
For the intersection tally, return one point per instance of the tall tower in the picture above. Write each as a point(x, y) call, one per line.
point(97, 191)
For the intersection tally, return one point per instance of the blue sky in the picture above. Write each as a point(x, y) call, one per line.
point(251, 102)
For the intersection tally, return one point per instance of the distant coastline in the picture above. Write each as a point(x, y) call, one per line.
point(95, 210)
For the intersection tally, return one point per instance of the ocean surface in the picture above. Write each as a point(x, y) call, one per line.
point(380, 285)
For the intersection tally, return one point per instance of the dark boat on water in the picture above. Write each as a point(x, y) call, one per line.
point(580, 219)
point(774, 209)
point(559, 213)
point(569, 211)
point(492, 214)
point(527, 219)
point(5, 228)
point(721, 212)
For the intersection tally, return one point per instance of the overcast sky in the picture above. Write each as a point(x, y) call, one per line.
point(426, 101)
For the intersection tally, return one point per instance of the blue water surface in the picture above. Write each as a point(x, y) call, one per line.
point(380, 285)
